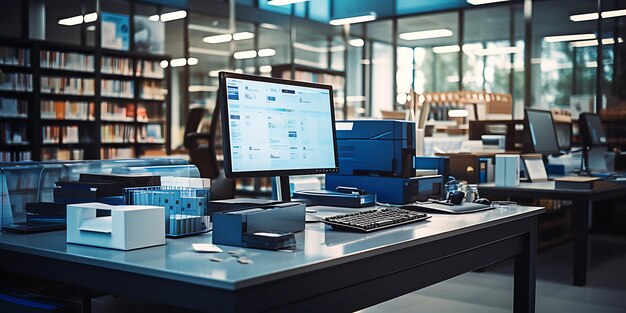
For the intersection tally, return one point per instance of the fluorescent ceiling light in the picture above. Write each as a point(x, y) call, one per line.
point(357, 42)
point(458, 113)
point(154, 18)
point(267, 52)
point(248, 54)
point(91, 17)
point(178, 62)
point(562, 38)
point(243, 36)
point(176, 15)
point(270, 26)
point(91, 28)
point(354, 19)
point(192, 61)
point(284, 2)
point(71, 21)
point(594, 16)
point(265, 68)
point(591, 64)
point(218, 38)
point(591, 43)
point(426, 34)
point(479, 2)
point(215, 73)
point(164, 64)
point(202, 88)
point(446, 49)
point(497, 50)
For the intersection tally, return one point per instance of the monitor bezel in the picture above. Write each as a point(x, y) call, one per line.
point(530, 138)
point(223, 96)
point(585, 129)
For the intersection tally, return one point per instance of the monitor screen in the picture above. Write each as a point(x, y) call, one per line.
point(591, 130)
point(275, 127)
point(564, 135)
point(542, 132)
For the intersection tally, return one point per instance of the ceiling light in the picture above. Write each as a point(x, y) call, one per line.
point(446, 49)
point(164, 64)
point(591, 64)
point(479, 2)
point(614, 13)
point(458, 113)
point(178, 62)
point(591, 43)
point(243, 36)
point(238, 70)
point(192, 61)
point(354, 19)
point(497, 50)
point(71, 21)
point(214, 73)
point(218, 38)
point(91, 28)
point(91, 17)
point(154, 18)
point(453, 79)
point(248, 54)
point(270, 26)
point(562, 38)
point(594, 16)
point(284, 2)
point(202, 88)
point(265, 68)
point(357, 42)
point(170, 16)
point(267, 52)
point(426, 34)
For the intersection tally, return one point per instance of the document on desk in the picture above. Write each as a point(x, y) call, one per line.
point(5, 201)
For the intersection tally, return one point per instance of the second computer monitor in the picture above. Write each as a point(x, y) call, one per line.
point(591, 130)
point(540, 127)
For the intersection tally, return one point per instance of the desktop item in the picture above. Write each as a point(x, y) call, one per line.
point(125, 180)
point(276, 127)
point(507, 170)
point(594, 143)
point(85, 191)
point(372, 220)
point(448, 208)
point(539, 126)
point(534, 168)
point(270, 240)
point(128, 227)
point(376, 147)
point(232, 227)
point(335, 198)
point(40, 217)
point(575, 182)
point(456, 197)
point(484, 201)
point(494, 142)
point(564, 135)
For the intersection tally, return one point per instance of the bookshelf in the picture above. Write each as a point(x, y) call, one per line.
point(80, 102)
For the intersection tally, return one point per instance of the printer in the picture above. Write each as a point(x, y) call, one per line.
point(378, 156)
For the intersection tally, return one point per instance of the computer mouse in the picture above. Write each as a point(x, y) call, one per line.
point(484, 201)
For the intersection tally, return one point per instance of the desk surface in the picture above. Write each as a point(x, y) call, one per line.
point(318, 247)
point(549, 187)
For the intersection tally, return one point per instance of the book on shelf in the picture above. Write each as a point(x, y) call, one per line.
point(117, 88)
point(151, 133)
point(115, 111)
point(10, 107)
point(67, 61)
point(60, 154)
point(12, 133)
point(54, 134)
point(67, 110)
point(149, 69)
point(117, 133)
point(67, 85)
point(116, 153)
point(14, 56)
point(116, 65)
point(15, 156)
point(16, 82)
point(152, 90)
point(147, 112)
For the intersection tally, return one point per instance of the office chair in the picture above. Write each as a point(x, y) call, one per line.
point(201, 147)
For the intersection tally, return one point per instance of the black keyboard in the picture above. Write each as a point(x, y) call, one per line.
point(371, 220)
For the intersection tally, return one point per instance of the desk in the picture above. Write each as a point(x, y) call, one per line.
point(331, 271)
point(582, 205)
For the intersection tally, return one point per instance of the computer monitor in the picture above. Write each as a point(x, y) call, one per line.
point(591, 130)
point(276, 127)
point(564, 135)
point(540, 128)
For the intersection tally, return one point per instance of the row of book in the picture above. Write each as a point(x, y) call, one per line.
point(116, 153)
point(54, 134)
point(152, 90)
point(67, 85)
point(10, 107)
point(67, 61)
point(118, 133)
point(62, 154)
point(15, 156)
point(12, 133)
point(16, 82)
point(67, 110)
point(150, 69)
point(115, 111)
point(117, 88)
point(116, 65)
point(147, 112)
point(14, 56)
point(151, 133)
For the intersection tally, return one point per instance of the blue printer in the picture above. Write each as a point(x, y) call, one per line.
point(376, 147)
point(378, 156)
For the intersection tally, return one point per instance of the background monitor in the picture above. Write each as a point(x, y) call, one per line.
point(275, 127)
point(540, 127)
point(564, 135)
point(591, 130)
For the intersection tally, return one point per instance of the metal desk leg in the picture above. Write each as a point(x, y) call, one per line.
point(525, 273)
point(581, 230)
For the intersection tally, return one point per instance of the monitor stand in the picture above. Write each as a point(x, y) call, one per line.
point(283, 190)
point(594, 159)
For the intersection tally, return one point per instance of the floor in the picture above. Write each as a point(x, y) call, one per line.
point(490, 291)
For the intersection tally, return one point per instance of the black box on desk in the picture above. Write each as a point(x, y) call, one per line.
point(231, 227)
